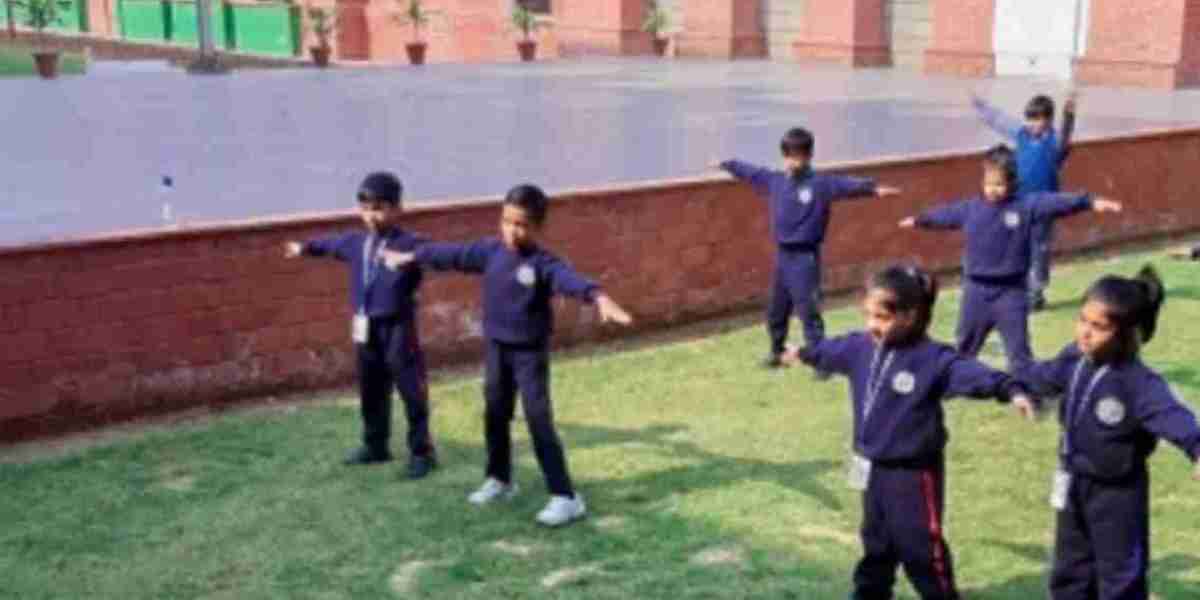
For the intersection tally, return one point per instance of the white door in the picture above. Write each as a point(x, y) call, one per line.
point(1039, 37)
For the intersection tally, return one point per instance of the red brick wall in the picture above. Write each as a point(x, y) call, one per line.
point(611, 27)
point(1151, 43)
point(721, 29)
point(850, 33)
point(109, 329)
point(962, 38)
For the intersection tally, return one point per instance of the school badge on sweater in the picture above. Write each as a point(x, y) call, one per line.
point(1110, 411)
point(804, 196)
point(1012, 219)
point(904, 383)
point(526, 276)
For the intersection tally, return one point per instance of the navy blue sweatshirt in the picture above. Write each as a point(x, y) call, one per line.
point(1039, 157)
point(998, 235)
point(391, 293)
point(799, 205)
point(1112, 415)
point(900, 391)
point(517, 286)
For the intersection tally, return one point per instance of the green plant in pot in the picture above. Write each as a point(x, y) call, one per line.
point(323, 22)
point(40, 14)
point(416, 16)
point(656, 24)
point(526, 22)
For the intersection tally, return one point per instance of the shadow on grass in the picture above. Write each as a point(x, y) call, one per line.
point(1163, 572)
point(707, 471)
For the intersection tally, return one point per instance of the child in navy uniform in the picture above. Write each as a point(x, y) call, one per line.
point(1041, 154)
point(1114, 410)
point(898, 380)
point(998, 224)
point(384, 326)
point(519, 280)
point(800, 206)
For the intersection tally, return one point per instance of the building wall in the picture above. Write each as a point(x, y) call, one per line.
point(910, 27)
point(1039, 38)
point(126, 326)
point(782, 22)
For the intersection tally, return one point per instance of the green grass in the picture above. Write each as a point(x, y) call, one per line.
point(17, 61)
point(680, 449)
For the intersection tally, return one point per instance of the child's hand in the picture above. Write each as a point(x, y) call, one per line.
point(1180, 253)
point(292, 249)
point(714, 165)
point(395, 260)
point(883, 191)
point(1102, 205)
point(611, 312)
point(909, 223)
point(790, 356)
point(1025, 407)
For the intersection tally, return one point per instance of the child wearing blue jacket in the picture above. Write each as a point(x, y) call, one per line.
point(998, 224)
point(899, 378)
point(1041, 153)
point(799, 199)
point(520, 278)
point(384, 326)
point(1114, 410)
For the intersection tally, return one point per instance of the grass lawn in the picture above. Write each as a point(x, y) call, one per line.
point(706, 478)
point(17, 61)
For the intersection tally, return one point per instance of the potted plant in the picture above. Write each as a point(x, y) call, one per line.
point(655, 24)
point(416, 16)
point(40, 14)
point(526, 22)
point(323, 21)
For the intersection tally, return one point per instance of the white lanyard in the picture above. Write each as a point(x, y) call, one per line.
point(875, 381)
point(1076, 404)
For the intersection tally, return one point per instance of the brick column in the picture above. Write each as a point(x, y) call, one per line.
point(609, 27)
point(846, 32)
point(102, 17)
point(1148, 43)
point(962, 41)
point(721, 29)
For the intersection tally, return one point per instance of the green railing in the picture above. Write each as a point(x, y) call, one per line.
point(70, 20)
point(262, 28)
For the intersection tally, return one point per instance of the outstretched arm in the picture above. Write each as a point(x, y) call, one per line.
point(1162, 413)
point(997, 120)
point(947, 216)
point(339, 247)
point(565, 281)
point(1053, 206)
point(1068, 127)
point(832, 355)
point(465, 258)
point(970, 378)
point(846, 186)
point(758, 177)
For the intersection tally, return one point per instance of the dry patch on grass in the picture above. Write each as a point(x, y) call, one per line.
point(571, 575)
point(404, 580)
point(719, 555)
point(516, 548)
point(828, 533)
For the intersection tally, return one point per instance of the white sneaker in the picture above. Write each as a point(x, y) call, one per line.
point(562, 510)
point(492, 489)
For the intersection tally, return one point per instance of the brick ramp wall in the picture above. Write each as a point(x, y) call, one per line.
point(143, 323)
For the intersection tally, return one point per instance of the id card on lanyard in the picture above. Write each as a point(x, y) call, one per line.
point(1076, 404)
point(858, 470)
point(360, 324)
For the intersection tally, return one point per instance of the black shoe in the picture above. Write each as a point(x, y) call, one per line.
point(420, 466)
point(772, 361)
point(1037, 303)
point(366, 456)
point(822, 375)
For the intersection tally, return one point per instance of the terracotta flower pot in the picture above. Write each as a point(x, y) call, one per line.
point(320, 55)
point(47, 64)
point(660, 46)
point(416, 52)
point(528, 50)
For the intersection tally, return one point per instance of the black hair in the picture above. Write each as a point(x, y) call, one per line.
point(1002, 157)
point(797, 141)
point(1040, 107)
point(381, 186)
point(1132, 304)
point(531, 199)
point(911, 289)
